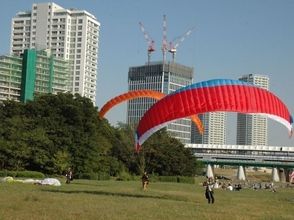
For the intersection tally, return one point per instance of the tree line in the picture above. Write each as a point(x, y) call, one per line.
point(55, 132)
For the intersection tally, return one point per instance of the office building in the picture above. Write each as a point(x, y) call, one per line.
point(70, 34)
point(35, 72)
point(253, 129)
point(164, 78)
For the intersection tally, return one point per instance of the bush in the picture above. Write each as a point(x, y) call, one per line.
point(186, 179)
point(168, 179)
point(88, 176)
point(25, 174)
point(173, 179)
point(30, 174)
point(125, 176)
point(103, 176)
point(3, 173)
point(94, 176)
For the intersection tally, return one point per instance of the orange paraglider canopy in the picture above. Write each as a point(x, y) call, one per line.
point(139, 94)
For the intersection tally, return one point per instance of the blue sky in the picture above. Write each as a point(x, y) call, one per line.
point(231, 38)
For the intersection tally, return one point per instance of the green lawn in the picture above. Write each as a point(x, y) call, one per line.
point(84, 199)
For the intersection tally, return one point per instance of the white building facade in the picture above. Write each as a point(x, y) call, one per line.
point(214, 129)
point(165, 78)
point(253, 129)
point(70, 34)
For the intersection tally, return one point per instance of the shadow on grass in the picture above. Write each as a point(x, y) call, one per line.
point(105, 193)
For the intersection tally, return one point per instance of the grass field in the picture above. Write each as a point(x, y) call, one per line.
point(85, 199)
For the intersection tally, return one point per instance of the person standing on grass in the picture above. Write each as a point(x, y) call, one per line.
point(69, 175)
point(209, 190)
point(145, 181)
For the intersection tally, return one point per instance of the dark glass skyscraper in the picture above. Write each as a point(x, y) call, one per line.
point(164, 78)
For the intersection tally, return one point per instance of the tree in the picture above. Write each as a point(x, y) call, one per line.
point(123, 148)
point(165, 155)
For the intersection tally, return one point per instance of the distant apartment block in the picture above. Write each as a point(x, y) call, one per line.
point(214, 129)
point(253, 129)
point(32, 73)
point(69, 34)
point(165, 78)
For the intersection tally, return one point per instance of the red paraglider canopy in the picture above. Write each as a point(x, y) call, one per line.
point(210, 96)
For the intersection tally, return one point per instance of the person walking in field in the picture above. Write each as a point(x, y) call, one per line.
point(209, 190)
point(145, 181)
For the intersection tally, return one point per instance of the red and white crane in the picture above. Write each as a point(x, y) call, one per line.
point(150, 41)
point(164, 46)
point(174, 44)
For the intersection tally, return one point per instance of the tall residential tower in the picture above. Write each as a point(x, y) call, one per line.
point(164, 78)
point(214, 129)
point(252, 129)
point(70, 34)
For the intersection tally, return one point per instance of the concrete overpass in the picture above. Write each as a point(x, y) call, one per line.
point(279, 158)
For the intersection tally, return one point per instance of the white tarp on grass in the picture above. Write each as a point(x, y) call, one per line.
point(46, 181)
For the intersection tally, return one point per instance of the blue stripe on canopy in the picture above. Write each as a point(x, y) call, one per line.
point(212, 83)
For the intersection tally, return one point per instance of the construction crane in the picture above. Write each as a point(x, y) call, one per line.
point(164, 46)
point(174, 44)
point(150, 41)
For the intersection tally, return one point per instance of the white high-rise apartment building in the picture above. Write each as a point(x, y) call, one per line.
point(214, 129)
point(69, 33)
point(253, 129)
point(165, 78)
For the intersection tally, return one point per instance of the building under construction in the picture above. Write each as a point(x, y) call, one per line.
point(163, 77)
point(35, 72)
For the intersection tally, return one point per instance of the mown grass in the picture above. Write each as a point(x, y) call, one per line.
point(85, 199)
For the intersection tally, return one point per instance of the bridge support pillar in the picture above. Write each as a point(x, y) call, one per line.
point(287, 174)
point(283, 175)
point(241, 173)
point(275, 175)
point(209, 171)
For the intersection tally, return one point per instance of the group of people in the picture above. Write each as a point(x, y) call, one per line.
point(270, 186)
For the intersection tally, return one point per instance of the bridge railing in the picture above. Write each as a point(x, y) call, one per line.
point(250, 163)
point(246, 157)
